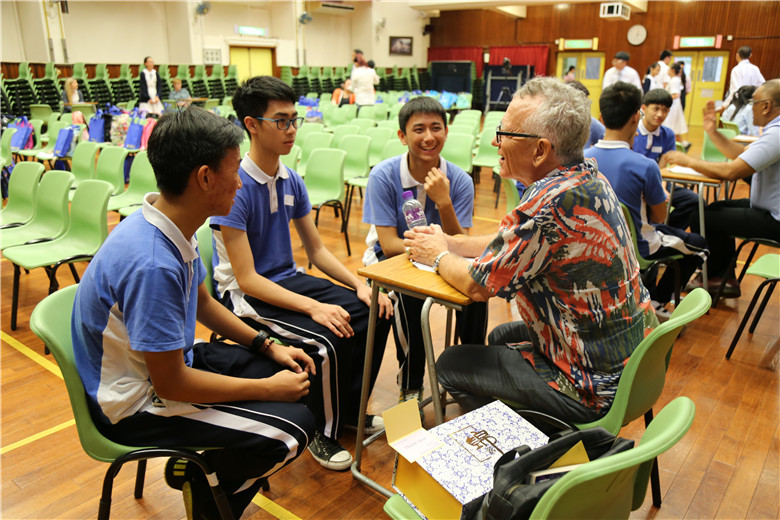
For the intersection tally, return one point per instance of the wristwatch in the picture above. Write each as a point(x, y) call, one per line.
point(259, 345)
point(438, 260)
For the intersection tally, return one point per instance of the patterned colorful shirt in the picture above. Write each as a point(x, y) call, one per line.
point(565, 255)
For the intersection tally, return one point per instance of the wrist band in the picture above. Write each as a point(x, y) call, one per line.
point(438, 260)
point(259, 344)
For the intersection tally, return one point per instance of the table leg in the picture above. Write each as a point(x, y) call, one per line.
point(430, 358)
point(702, 232)
point(372, 314)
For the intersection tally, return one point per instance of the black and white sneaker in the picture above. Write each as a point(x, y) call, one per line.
point(329, 453)
point(374, 423)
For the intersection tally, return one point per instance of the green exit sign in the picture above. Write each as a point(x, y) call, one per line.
point(578, 44)
point(251, 31)
point(687, 42)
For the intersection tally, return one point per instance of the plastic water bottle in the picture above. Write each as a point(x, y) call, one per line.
point(413, 211)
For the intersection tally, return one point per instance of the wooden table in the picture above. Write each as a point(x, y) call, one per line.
point(745, 139)
point(400, 275)
point(702, 181)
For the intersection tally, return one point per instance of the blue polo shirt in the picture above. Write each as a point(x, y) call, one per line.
point(654, 144)
point(637, 183)
point(263, 209)
point(139, 294)
point(764, 157)
point(384, 200)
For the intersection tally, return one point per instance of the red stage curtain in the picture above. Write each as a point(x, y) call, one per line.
point(473, 54)
point(535, 55)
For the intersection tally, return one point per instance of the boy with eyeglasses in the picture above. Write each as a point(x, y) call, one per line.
point(258, 279)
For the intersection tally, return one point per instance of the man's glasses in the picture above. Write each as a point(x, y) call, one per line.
point(283, 123)
point(500, 133)
point(756, 101)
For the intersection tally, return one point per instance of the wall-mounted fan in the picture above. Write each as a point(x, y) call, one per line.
point(304, 18)
point(203, 8)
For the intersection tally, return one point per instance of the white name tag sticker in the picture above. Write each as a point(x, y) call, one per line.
point(289, 199)
point(656, 149)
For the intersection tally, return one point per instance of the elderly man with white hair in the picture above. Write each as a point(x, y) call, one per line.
point(564, 254)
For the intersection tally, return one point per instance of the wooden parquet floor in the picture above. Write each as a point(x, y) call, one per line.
point(727, 466)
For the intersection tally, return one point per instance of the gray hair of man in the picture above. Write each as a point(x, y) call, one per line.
point(563, 116)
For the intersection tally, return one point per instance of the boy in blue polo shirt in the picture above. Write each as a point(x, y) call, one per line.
point(637, 183)
point(447, 195)
point(258, 280)
point(653, 140)
point(133, 328)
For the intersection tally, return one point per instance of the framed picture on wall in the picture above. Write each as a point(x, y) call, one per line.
point(400, 46)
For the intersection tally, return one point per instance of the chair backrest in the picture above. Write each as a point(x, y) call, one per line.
point(460, 128)
point(710, 152)
point(392, 148)
point(364, 124)
point(643, 377)
point(206, 249)
point(37, 133)
point(305, 130)
point(5, 146)
point(468, 114)
point(379, 137)
point(325, 175)
point(356, 161)
point(457, 150)
point(343, 130)
point(53, 131)
point(611, 487)
point(142, 179)
point(22, 192)
point(512, 196)
point(111, 167)
point(291, 159)
point(50, 321)
point(83, 161)
point(366, 112)
point(381, 111)
point(730, 125)
point(313, 141)
point(643, 264)
point(392, 124)
point(349, 111)
point(88, 219)
point(51, 211)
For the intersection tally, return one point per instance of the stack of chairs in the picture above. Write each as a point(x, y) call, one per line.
point(215, 82)
point(286, 74)
point(231, 80)
point(326, 80)
point(121, 87)
point(98, 86)
point(198, 83)
point(301, 82)
point(80, 75)
point(183, 73)
point(20, 91)
point(5, 99)
point(46, 87)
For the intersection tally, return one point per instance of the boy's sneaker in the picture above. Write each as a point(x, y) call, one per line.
point(329, 453)
point(374, 423)
point(660, 311)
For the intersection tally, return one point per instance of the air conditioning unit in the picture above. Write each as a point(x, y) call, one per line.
point(615, 11)
point(332, 7)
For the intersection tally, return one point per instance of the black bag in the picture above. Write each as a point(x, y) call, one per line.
point(512, 498)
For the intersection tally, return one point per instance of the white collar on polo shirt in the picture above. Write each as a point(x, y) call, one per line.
point(648, 133)
point(254, 171)
point(612, 145)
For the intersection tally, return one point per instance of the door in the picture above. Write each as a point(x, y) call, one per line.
point(589, 70)
point(252, 61)
point(707, 71)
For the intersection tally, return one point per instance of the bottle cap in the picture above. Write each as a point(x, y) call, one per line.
point(408, 195)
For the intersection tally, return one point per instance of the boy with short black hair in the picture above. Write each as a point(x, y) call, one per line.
point(447, 195)
point(133, 329)
point(257, 278)
point(653, 140)
point(637, 183)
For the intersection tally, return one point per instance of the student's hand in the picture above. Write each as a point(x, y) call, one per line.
point(334, 317)
point(384, 303)
point(710, 117)
point(292, 357)
point(287, 386)
point(437, 187)
point(425, 247)
point(675, 157)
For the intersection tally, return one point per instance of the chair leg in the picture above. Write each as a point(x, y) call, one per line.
point(745, 319)
point(108, 485)
point(761, 308)
point(344, 222)
point(15, 298)
point(655, 478)
point(732, 265)
point(74, 273)
point(677, 288)
point(140, 476)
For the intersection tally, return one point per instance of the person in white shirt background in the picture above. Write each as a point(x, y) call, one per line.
point(676, 118)
point(743, 73)
point(662, 76)
point(650, 82)
point(621, 71)
point(363, 80)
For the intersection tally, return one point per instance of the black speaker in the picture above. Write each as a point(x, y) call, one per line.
point(428, 29)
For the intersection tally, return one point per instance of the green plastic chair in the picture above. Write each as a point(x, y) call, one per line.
point(512, 196)
point(206, 250)
point(710, 152)
point(83, 162)
point(313, 141)
point(730, 125)
point(363, 124)
point(245, 145)
point(392, 148)
point(356, 161)
point(39, 111)
point(87, 109)
point(47, 153)
point(366, 112)
point(325, 184)
point(291, 159)
point(767, 267)
point(645, 265)
point(111, 167)
point(381, 112)
point(460, 128)
point(142, 181)
point(127, 211)
point(6, 156)
point(342, 131)
point(22, 193)
point(680, 147)
point(469, 114)
point(392, 124)
point(379, 137)
point(51, 212)
point(307, 129)
point(87, 230)
point(53, 118)
point(487, 154)
point(614, 486)
point(66, 118)
point(457, 150)
point(51, 322)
